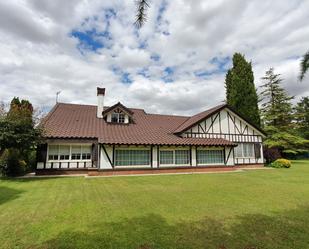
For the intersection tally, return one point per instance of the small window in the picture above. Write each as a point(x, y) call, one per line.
point(76, 152)
point(64, 152)
point(53, 152)
point(86, 152)
point(118, 117)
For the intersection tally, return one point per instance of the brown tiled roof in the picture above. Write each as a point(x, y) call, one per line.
point(80, 121)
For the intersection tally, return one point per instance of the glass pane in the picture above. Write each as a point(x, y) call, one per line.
point(182, 156)
point(121, 118)
point(53, 149)
point(132, 157)
point(115, 117)
point(76, 149)
point(64, 152)
point(86, 148)
point(210, 157)
point(166, 157)
point(238, 151)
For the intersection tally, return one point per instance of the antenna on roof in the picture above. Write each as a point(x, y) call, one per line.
point(57, 94)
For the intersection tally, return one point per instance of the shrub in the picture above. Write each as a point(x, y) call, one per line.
point(4, 162)
point(281, 163)
point(271, 154)
point(11, 164)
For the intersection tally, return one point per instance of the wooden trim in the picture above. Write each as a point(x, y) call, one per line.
point(151, 156)
point(158, 156)
point(113, 164)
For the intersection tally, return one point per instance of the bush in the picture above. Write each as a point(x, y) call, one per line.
point(281, 163)
point(271, 154)
point(4, 162)
point(11, 164)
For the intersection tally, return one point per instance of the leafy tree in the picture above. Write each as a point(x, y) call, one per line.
point(304, 66)
point(240, 89)
point(302, 117)
point(18, 135)
point(277, 116)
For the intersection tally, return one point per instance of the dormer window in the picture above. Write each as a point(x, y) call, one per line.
point(118, 114)
point(118, 117)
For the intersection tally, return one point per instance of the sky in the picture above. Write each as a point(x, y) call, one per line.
point(176, 63)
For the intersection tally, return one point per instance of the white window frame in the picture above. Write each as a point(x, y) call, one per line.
point(70, 157)
point(209, 148)
point(134, 148)
point(242, 150)
point(174, 156)
point(119, 120)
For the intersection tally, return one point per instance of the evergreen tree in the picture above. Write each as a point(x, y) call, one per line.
point(277, 116)
point(240, 89)
point(302, 117)
point(304, 66)
point(277, 107)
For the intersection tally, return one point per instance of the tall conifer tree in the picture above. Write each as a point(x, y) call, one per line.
point(240, 89)
point(277, 116)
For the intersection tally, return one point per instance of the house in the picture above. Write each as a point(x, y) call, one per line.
point(118, 137)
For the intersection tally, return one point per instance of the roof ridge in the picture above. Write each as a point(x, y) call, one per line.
point(171, 115)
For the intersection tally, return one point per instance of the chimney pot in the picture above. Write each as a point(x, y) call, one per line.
point(100, 91)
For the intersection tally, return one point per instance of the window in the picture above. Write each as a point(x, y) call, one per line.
point(118, 117)
point(182, 156)
point(86, 152)
point(209, 157)
point(76, 152)
point(64, 152)
point(69, 152)
point(53, 152)
point(166, 157)
point(175, 157)
point(257, 150)
point(132, 157)
point(245, 150)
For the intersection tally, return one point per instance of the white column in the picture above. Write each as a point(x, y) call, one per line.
point(155, 156)
point(193, 155)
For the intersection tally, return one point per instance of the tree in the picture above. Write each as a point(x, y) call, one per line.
point(141, 17)
point(240, 89)
point(18, 135)
point(277, 116)
point(304, 66)
point(302, 117)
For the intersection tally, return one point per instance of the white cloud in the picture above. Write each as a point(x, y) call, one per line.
point(39, 56)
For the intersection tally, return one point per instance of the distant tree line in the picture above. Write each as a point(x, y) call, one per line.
point(286, 125)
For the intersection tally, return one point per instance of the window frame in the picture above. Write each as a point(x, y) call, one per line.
point(118, 118)
point(243, 151)
point(132, 165)
point(209, 149)
point(174, 157)
point(70, 153)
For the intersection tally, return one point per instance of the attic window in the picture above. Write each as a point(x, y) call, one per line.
point(117, 117)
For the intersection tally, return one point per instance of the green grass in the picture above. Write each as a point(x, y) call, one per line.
point(252, 209)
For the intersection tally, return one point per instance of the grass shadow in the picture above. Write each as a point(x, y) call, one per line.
point(8, 194)
point(284, 230)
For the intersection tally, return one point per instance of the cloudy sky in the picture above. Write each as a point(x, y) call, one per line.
point(175, 63)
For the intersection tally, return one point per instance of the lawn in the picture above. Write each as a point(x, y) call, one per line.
point(243, 210)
